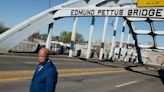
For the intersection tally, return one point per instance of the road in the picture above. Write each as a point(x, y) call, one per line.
point(119, 81)
point(15, 63)
point(115, 82)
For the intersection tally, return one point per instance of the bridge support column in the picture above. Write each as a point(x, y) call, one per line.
point(103, 38)
point(49, 38)
point(121, 39)
point(90, 38)
point(73, 37)
point(126, 58)
point(112, 49)
point(128, 39)
point(138, 50)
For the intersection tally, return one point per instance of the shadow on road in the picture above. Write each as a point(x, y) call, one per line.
point(97, 62)
point(130, 66)
point(160, 73)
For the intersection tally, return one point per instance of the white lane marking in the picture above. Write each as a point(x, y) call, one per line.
point(128, 83)
point(34, 63)
point(31, 63)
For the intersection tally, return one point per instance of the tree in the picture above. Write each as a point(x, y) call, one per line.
point(3, 28)
point(79, 37)
point(55, 38)
point(62, 36)
point(66, 37)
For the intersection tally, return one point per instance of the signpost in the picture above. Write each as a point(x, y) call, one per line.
point(149, 12)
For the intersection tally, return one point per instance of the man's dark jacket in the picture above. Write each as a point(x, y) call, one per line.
point(46, 79)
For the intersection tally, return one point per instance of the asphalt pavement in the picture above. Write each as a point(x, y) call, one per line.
point(79, 75)
point(111, 82)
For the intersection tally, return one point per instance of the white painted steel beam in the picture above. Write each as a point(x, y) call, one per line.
point(142, 31)
point(158, 32)
point(49, 38)
point(112, 49)
point(73, 8)
point(110, 11)
point(15, 35)
point(90, 38)
point(73, 37)
point(121, 39)
point(103, 38)
point(144, 46)
point(136, 19)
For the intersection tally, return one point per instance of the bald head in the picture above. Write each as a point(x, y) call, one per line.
point(43, 55)
point(44, 51)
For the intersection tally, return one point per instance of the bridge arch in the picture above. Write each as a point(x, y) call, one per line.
point(83, 8)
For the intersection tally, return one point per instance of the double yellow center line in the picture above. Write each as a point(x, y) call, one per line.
point(27, 74)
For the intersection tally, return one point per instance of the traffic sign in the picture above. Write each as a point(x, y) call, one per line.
point(150, 3)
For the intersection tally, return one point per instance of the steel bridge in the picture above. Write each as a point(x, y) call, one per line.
point(129, 10)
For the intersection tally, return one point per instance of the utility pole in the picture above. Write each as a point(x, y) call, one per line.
point(49, 4)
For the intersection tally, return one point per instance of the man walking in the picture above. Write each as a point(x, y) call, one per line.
point(45, 76)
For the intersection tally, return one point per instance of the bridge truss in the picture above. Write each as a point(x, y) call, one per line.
point(126, 9)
